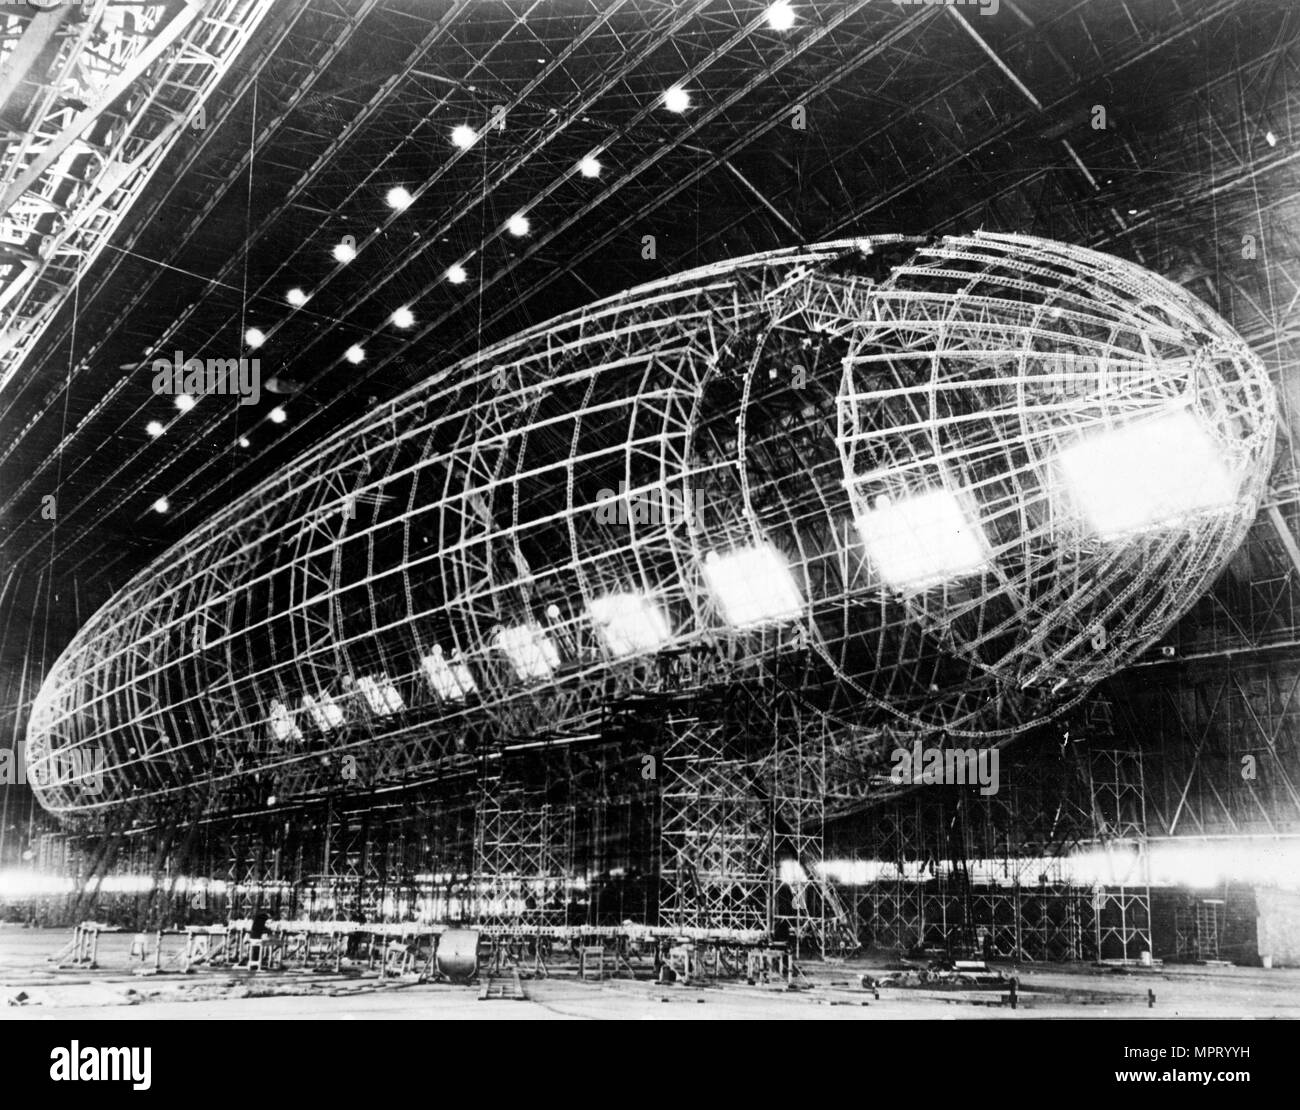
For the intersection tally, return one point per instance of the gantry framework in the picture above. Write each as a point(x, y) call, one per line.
point(95, 95)
point(893, 476)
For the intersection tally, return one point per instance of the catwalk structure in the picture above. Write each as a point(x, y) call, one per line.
point(630, 599)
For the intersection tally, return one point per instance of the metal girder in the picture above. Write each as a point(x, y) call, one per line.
point(71, 177)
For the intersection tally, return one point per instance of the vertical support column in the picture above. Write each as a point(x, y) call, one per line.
point(1122, 903)
point(522, 853)
point(715, 869)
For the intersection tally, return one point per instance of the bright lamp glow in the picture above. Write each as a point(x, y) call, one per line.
point(677, 99)
point(780, 16)
point(753, 585)
point(344, 252)
point(184, 402)
point(161, 505)
point(399, 197)
point(296, 297)
point(629, 623)
point(154, 428)
point(589, 166)
point(921, 540)
point(529, 649)
point(403, 317)
point(518, 225)
point(278, 415)
point(282, 725)
point(1146, 474)
point(255, 337)
point(381, 695)
point(354, 354)
point(450, 679)
point(325, 712)
point(463, 136)
point(456, 274)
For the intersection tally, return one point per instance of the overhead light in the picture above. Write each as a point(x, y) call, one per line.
point(344, 252)
point(354, 354)
point(464, 136)
point(1148, 473)
point(184, 402)
point(780, 16)
point(457, 275)
point(921, 540)
point(382, 696)
point(325, 712)
point(529, 649)
point(589, 166)
point(278, 415)
point(296, 297)
point(403, 317)
point(450, 679)
point(677, 99)
point(753, 586)
point(243, 441)
point(161, 505)
point(154, 428)
point(1270, 138)
point(282, 724)
point(399, 197)
point(629, 623)
point(518, 225)
point(254, 337)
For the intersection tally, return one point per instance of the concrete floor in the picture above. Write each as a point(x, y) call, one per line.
point(1047, 991)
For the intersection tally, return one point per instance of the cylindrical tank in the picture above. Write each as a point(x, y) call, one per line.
point(456, 956)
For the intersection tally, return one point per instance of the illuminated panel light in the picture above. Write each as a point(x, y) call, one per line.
point(243, 441)
point(354, 354)
point(161, 505)
point(753, 585)
point(921, 540)
point(296, 297)
point(399, 198)
point(184, 402)
point(403, 317)
point(282, 726)
point(278, 415)
point(780, 16)
point(1146, 474)
point(154, 428)
point(630, 624)
point(589, 166)
point(518, 225)
point(450, 680)
point(457, 275)
point(381, 695)
point(677, 99)
point(344, 252)
point(325, 712)
point(255, 337)
point(463, 136)
point(529, 649)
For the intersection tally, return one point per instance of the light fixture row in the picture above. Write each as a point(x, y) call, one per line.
point(780, 16)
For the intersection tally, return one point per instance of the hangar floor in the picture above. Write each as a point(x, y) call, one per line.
point(33, 989)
